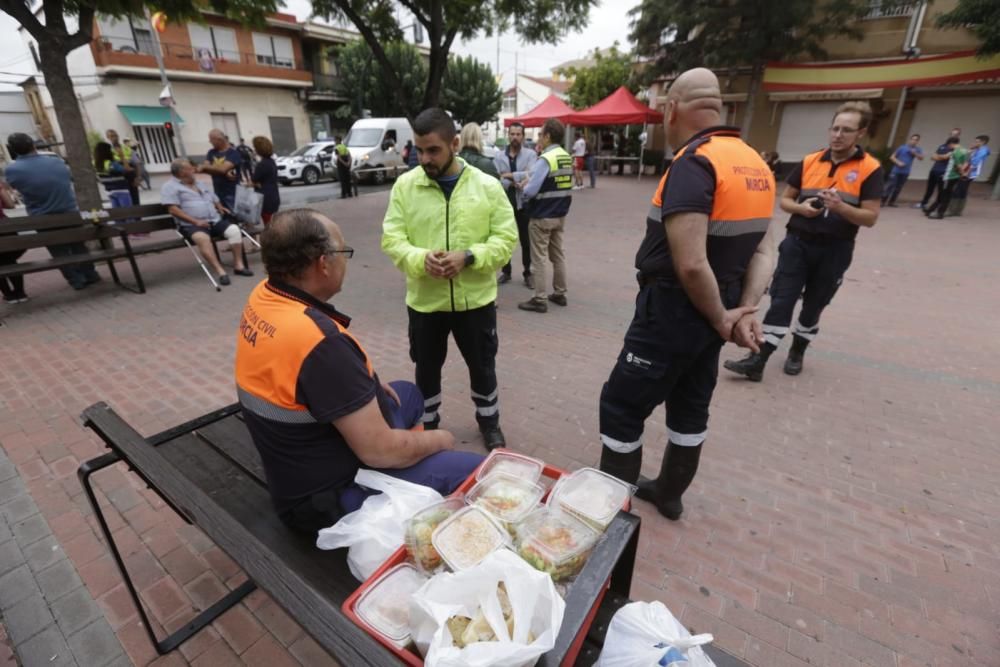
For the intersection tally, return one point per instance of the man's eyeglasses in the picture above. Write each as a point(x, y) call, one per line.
point(844, 130)
point(346, 250)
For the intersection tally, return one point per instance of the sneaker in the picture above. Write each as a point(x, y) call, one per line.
point(493, 437)
point(224, 279)
point(917, 205)
point(529, 281)
point(243, 272)
point(503, 278)
point(558, 299)
point(534, 305)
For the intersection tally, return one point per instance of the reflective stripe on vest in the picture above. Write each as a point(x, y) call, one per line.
point(847, 178)
point(554, 197)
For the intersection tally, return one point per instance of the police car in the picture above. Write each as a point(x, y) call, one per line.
point(309, 164)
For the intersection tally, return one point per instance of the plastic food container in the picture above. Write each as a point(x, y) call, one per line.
point(556, 542)
point(420, 529)
point(591, 495)
point(506, 497)
point(467, 537)
point(516, 465)
point(385, 607)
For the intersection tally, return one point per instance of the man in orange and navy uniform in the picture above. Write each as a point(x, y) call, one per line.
point(830, 195)
point(314, 406)
point(703, 266)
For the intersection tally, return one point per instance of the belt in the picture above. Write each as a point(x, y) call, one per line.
point(812, 237)
point(646, 279)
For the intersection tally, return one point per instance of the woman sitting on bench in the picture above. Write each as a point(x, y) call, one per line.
point(201, 217)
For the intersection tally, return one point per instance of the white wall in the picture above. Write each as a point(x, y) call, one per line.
point(195, 104)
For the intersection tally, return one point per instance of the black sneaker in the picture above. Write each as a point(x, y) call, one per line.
point(243, 272)
point(558, 299)
point(534, 305)
point(503, 278)
point(529, 281)
point(224, 279)
point(493, 437)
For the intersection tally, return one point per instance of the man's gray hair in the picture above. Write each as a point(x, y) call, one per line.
point(177, 165)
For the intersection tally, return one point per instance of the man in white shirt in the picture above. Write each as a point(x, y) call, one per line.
point(579, 153)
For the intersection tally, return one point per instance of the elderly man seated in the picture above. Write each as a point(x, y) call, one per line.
point(314, 405)
point(200, 218)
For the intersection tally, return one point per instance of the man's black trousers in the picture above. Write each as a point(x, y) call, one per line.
point(475, 333)
point(810, 266)
point(522, 218)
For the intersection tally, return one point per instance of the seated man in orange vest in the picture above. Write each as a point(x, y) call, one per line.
point(313, 404)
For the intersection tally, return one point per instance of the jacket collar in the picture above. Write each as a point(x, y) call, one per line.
point(295, 294)
point(714, 131)
point(426, 181)
point(858, 154)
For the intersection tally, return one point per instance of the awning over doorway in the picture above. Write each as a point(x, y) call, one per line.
point(931, 71)
point(139, 115)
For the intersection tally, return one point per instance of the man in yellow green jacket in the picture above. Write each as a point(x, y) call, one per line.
point(448, 228)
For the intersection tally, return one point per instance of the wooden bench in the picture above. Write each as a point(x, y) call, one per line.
point(208, 471)
point(111, 227)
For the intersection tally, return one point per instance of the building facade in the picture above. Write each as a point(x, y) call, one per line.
point(917, 77)
point(223, 75)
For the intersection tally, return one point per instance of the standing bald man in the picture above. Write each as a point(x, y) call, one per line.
point(703, 266)
point(221, 163)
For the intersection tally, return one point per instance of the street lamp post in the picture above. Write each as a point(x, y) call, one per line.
point(158, 54)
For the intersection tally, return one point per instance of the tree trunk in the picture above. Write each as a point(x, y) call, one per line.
point(74, 135)
point(435, 74)
point(756, 74)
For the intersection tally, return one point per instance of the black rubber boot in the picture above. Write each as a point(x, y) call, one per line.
point(677, 469)
point(793, 364)
point(623, 466)
point(752, 365)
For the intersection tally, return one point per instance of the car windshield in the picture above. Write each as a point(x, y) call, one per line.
point(308, 149)
point(364, 138)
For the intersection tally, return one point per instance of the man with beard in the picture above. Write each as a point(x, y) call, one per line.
point(449, 229)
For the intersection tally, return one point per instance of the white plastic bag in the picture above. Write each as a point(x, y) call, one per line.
point(533, 597)
point(248, 204)
point(377, 528)
point(643, 634)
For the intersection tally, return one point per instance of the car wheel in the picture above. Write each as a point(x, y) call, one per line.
point(310, 175)
point(379, 176)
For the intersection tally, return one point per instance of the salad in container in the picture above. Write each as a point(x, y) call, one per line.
point(467, 537)
point(556, 542)
point(420, 528)
point(385, 607)
point(510, 463)
point(506, 497)
point(591, 495)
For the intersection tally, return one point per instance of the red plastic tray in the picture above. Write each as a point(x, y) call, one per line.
point(399, 556)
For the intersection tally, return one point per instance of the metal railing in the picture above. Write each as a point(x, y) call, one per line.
point(328, 83)
point(208, 58)
point(893, 10)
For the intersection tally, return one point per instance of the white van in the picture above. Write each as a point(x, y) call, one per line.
point(376, 146)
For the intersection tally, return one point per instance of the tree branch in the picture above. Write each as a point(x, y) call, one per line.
point(21, 13)
point(416, 12)
point(373, 43)
point(85, 33)
point(54, 20)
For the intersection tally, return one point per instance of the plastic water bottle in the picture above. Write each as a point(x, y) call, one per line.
point(672, 658)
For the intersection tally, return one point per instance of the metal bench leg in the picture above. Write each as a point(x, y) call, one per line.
point(181, 635)
point(135, 267)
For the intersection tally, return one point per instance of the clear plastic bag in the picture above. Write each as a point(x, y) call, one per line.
point(378, 528)
point(646, 634)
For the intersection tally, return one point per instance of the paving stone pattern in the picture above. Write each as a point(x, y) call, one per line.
point(845, 517)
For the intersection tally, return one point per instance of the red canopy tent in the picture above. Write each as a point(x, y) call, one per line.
point(550, 107)
point(618, 108)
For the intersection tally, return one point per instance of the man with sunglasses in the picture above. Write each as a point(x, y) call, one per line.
point(314, 405)
point(830, 194)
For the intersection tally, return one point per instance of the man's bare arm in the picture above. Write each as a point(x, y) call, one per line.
point(217, 169)
point(760, 269)
point(687, 234)
point(179, 213)
point(379, 446)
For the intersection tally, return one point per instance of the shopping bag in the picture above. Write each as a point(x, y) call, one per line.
point(646, 634)
point(248, 205)
point(375, 530)
point(536, 608)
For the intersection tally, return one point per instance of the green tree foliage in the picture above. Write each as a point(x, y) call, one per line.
point(982, 17)
point(679, 34)
point(612, 69)
point(470, 91)
point(379, 23)
point(366, 88)
point(56, 39)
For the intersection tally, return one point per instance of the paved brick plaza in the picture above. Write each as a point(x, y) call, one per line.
point(848, 516)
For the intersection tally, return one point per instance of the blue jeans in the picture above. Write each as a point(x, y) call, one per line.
point(894, 186)
point(443, 471)
point(80, 275)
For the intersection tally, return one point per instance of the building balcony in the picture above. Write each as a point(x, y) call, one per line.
point(185, 62)
point(327, 87)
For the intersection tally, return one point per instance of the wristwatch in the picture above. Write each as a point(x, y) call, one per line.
point(470, 259)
